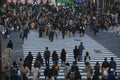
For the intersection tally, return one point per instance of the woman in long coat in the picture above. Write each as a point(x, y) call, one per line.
point(89, 72)
point(63, 57)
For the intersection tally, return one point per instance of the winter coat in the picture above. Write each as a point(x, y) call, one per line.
point(66, 70)
point(36, 73)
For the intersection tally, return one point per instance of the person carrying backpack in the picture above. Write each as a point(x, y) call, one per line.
point(87, 59)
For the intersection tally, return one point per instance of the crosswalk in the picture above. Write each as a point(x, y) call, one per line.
point(96, 51)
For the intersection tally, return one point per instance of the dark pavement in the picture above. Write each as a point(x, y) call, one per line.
point(17, 44)
point(108, 40)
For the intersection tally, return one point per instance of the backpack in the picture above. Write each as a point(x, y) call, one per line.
point(87, 59)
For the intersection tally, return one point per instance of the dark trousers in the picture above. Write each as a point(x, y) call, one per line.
point(47, 61)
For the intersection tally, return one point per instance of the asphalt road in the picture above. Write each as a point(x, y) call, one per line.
point(17, 44)
point(108, 40)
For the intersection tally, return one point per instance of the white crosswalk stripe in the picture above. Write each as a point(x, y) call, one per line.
point(96, 51)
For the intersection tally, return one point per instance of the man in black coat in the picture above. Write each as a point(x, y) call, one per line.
point(10, 44)
point(48, 73)
point(76, 53)
point(63, 57)
point(47, 56)
point(28, 60)
point(54, 56)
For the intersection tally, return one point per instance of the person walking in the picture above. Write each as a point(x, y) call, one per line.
point(25, 33)
point(51, 35)
point(57, 68)
point(89, 71)
point(48, 73)
point(66, 70)
point(105, 69)
point(47, 56)
point(77, 74)
point(96, 72)
point(81, 48)
point(63, 57)
point(54, 56)
point(39, 58)
point(76, 54)
point(35, 72)
point(10, 44)
point(87, 58)
point(112, 64)
point(25, 70)
point(28, 60)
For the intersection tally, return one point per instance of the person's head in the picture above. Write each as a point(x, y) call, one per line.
point(54, 51)
point(105, 59)
point(24, 65)
point(97, 63)
point(81, 43)
point(10, 41)
point(87, 53)
point(20, 59)
point(38, 53)
point(46, 48)
point(67, 64)
point(63, 49)
point(75, 47)
point(112, 59)
point(29, 52)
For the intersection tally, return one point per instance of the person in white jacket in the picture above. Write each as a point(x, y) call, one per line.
point(67, 69)
point(36, 73)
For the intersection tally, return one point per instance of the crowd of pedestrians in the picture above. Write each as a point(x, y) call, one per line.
point(22, 68)
point(50, 21)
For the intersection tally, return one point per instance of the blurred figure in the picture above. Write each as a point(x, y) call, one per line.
point(87, 58)
point(112, 64)
point(54, 57)
point(89, 71)
point(111, 75)
point(47, 56)
point(76, 54)
point(10, 44)
point(25, 71)
point(105, 68)
point(96, 72)
point(66, 70)
point(63, 57)
point(81, 48)
point(36, 73)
